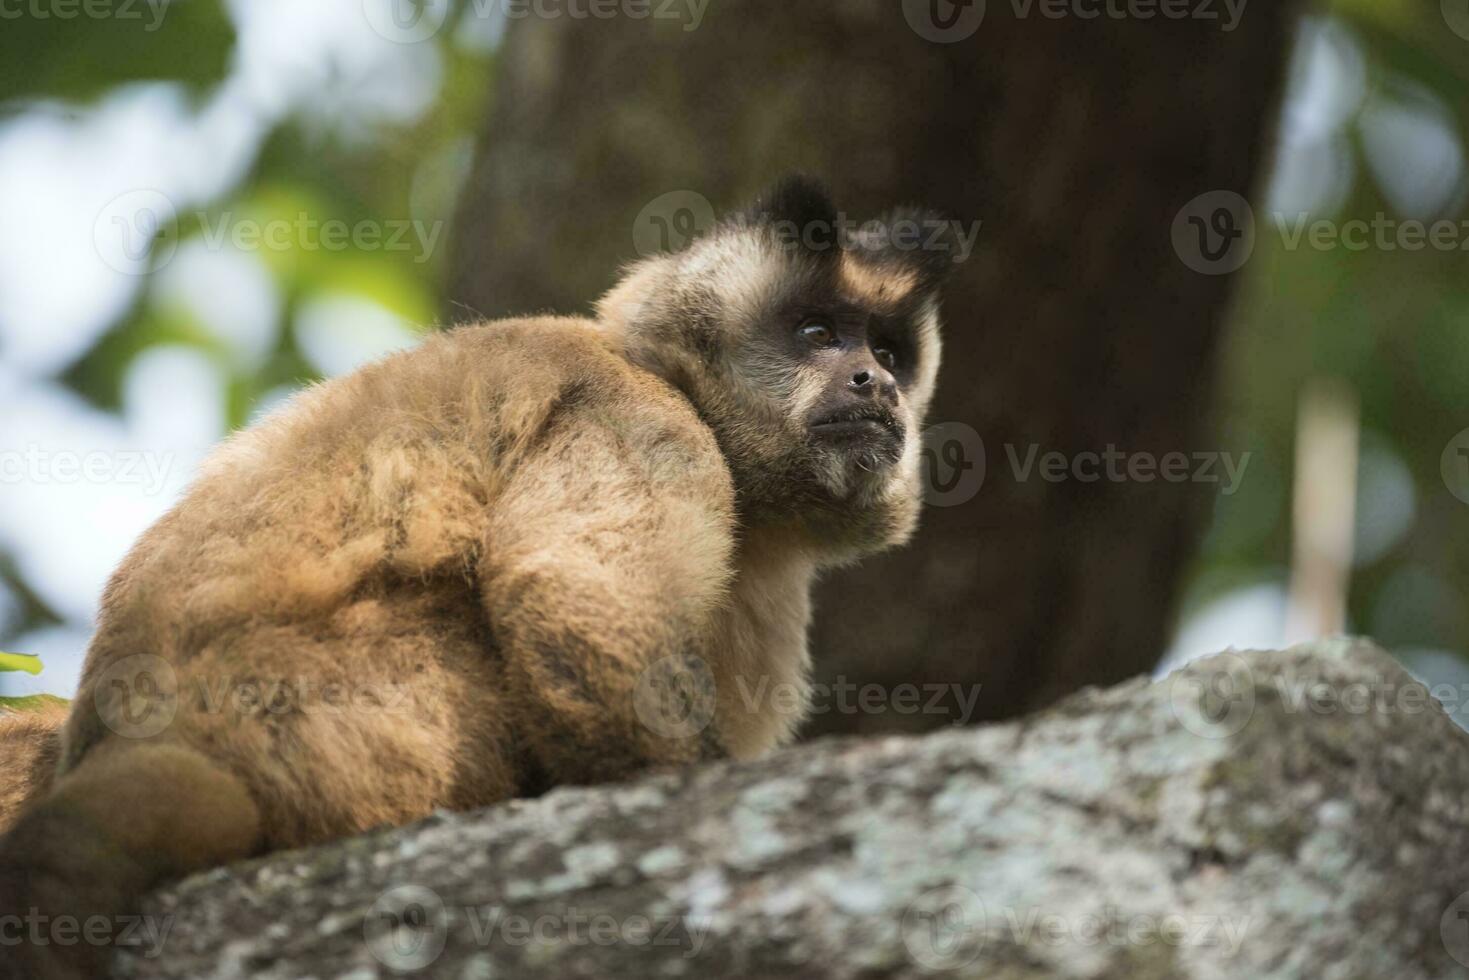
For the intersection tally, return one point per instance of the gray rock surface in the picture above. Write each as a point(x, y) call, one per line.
point(1294, 814)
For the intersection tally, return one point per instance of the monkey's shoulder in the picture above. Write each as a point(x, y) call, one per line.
point(569, 374)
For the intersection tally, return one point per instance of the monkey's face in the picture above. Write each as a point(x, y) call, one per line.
point(830, 373)
point(812, 354)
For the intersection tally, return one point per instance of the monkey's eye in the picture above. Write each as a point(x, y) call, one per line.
point(816, 334)
point(885, 357)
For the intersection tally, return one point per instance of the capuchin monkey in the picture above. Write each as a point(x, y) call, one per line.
point(528, 553)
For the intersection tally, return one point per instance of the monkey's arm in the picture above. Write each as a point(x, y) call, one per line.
point(602, 569)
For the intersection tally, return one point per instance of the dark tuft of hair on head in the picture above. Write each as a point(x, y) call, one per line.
point(890, 240)
point(799, 199)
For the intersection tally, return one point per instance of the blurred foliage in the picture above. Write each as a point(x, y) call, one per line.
point(306, 169)
point(34, 702)
point(1394, 324)
point(19, 661)
point(13, 662)
point(73, 56)
point(392, 173)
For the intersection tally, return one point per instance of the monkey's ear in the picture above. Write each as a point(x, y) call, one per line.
point(797, 199)
point(633, 298)
point(928, 243)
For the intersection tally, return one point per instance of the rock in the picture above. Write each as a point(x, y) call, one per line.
point(1293, 814)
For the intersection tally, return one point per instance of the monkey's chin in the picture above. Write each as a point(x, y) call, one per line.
point(863, 509)
point(857, 451)
point(857, 473)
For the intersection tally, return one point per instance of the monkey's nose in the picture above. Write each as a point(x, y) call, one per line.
point(878, 384)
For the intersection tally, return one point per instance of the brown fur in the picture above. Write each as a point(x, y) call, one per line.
point(480, 546)
point(30, 746)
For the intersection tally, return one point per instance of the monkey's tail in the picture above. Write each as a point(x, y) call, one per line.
point(128, 817)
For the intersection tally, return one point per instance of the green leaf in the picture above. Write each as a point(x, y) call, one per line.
point(78, 50)
point(21, 662)
point(34, 702)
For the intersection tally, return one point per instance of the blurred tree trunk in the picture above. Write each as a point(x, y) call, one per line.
point(1074, 326)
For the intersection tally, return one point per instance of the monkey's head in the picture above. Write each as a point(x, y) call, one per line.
point(810, 349)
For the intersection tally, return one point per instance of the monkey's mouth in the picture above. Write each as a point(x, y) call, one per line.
point(866, 424)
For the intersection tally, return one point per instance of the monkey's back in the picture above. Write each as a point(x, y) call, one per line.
point(319, 585)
